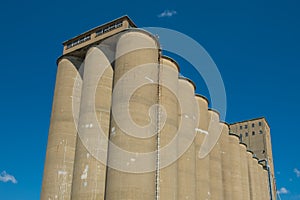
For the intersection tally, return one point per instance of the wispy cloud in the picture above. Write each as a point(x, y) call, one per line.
point(167, 13)
point(282, 190)
point(5, 177)
point(297, 172)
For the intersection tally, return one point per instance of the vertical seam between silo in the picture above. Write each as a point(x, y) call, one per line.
point(157, 174)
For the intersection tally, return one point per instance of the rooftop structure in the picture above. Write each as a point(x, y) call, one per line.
point(97, 34)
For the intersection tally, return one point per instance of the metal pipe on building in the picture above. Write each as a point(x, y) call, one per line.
point(269, 177)
point(58, 171)
point(266, 183)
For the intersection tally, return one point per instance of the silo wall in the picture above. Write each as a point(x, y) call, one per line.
point(257, 178)
point(226, 162)
point(236, 175)
point(128, 176)
point(251, 175)
point(244, 171)
point(215, 164)
point(266, 188)
point(202, 164)
point(186, 162)
point(262, 183)
point(92, 142)
point(58, 171)
point(167, 136)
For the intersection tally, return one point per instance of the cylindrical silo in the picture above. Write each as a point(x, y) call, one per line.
point(92, 142)
point(257, 178)
point(135, 92)
point(244, 171)
point(262, 183)
point(202, 164)
point(168, 99)
point(226, 162)
point(236, 175)
point(186, 162)
point(251, 175)
point(60, 152)
point(266, 184)
point(215, 164)
point(260, 180)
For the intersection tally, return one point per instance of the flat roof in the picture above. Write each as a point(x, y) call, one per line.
point(101, 26)
point(249, 120)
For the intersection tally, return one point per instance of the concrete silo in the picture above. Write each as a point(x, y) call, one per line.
point(129, 128)
point(236, 175)
point(251, 175)
point(257, 178)
point(167, 136)
point(137, 62)
point(202, 164)
point(266, 188)
point(262, 183)
point(91, 149)
point(244, 171)
point(226, 162)
point(58, 171)
point(215, 165)
point(186, 134)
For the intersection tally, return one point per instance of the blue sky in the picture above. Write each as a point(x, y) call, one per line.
point(255, 44)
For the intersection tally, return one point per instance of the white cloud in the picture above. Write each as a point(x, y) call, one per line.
point(297, 171)
point(282, 190)
point(5, 177)
point(167, 13)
